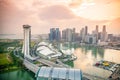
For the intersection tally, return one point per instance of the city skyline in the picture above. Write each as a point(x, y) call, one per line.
point(43, 15)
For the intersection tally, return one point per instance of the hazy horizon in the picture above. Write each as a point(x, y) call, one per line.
point(45, 14)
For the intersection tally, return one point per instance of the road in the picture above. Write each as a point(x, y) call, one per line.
point(52, 64)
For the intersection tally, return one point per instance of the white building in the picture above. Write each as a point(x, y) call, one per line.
point(52, 73)
point(47, 51)
point(27, 36)
point(90, 39)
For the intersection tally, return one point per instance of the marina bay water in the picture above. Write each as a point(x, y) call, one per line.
point(17, 75)
point(86, 57)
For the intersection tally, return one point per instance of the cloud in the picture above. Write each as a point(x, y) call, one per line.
point(56, 12)
point(75, 3)
point(42, 16)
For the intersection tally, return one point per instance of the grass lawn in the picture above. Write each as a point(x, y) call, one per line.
point(4, 59)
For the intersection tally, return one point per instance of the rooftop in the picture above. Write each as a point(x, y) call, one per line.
point(59, 73)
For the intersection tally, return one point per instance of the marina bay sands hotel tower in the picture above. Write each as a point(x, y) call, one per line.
point(27, 40)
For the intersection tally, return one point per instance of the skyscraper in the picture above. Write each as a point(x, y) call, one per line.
point(82, 34)
point(27, 36)
point(97, 32)
point(64, 35)
point(104, 28)
point(104, 34)
point(68, 35)
point(86, 30)
point(57, 35)
point(54, 34)
point(73, 34)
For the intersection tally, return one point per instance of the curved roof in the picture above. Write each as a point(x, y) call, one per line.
point(43, 43)
point(59, 73)
point(47, 50)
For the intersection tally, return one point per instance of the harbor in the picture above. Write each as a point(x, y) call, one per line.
point(110, 66)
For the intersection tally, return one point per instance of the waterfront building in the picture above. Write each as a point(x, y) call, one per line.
point(54, 34)
point(90, 39)
point(67, 35)
point(51, 73)
point(58, 35)
point(73, 35)
point(110, 37)
point(104, 35)
point(63, 35)
point(97, 33)
point(83, 33)
point(86, 30)
point(27, 37)
point(47, 51)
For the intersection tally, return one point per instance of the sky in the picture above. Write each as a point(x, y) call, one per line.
point(42, 15)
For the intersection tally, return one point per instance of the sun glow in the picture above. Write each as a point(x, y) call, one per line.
point(83, 6)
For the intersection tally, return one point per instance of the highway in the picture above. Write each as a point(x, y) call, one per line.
point(32, 67)
point(52, 64)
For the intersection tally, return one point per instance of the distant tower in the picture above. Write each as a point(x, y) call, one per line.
point(96, 28)
point(86, 30)
point(73, 35)
point(97, 32)
point(104, 28)
point(104, 34)
point(27, 37)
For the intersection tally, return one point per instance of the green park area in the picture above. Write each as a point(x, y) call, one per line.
point(5, 59)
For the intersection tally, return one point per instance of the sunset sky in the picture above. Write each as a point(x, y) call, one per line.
point(44, 14)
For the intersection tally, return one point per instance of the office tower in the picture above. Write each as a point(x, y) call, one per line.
point(68, 35)
point(27, 36)
point(54, 34)
point(86, 30)
point(64, 35)
point(97, 33)
point(73, 34)
point(82, 34)
point(104, 34)
point(104, 28)
point(57, 35)
point(90, 39)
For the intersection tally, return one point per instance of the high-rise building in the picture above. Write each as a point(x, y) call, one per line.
point(86, 30)
point(104, 35)
point(97, 33)
point(104, 28)
point(90, 39)
point(63, 35)
point(27, 37)
point(54, 34)
point(73, 34)
point(68, 35)
point(58, 35)
point(83, 33)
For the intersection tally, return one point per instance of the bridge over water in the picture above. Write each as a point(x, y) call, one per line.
point(34, 68)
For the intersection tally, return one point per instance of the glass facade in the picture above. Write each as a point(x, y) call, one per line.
point(51, 73)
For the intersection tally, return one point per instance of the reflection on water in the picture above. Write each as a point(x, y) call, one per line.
point(17, 75)
point(89, 55)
